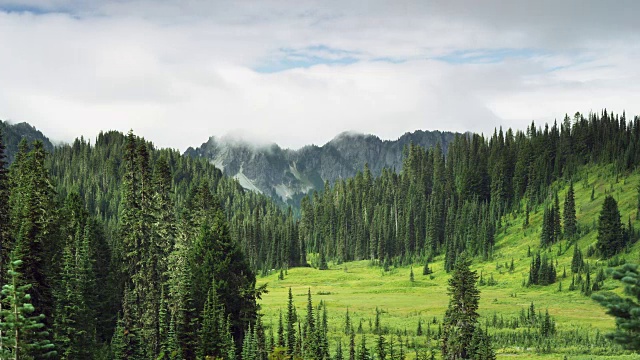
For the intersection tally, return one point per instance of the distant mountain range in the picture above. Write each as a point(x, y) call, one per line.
point(289, 174)
point(13, 134)
point(283, 174)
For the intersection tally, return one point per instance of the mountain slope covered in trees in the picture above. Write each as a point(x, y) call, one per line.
point(133, 252)
point(288, 175)
point(14, 133)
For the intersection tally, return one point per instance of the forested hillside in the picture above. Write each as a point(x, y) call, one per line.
point(119, 250)
point(454, 202)
point(125, 250)
point(14, 133)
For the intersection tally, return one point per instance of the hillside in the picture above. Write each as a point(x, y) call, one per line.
point(14, 133)
point(362, 288)
point(289, 174)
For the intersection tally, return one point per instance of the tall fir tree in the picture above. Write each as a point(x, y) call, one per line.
point(461, 316)
point(569, 215)
point(610, 231)
point(23, 334)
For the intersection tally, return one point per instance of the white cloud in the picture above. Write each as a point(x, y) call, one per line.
point(180, 71)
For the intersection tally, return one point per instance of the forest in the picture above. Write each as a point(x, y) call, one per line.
point(121, 250)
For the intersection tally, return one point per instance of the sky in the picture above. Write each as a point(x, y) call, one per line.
point(300, 72)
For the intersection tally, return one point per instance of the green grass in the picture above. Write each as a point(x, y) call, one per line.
point(361, 287)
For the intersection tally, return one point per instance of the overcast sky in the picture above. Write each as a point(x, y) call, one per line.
point(300, 72)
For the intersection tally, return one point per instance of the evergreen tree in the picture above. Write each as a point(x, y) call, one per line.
point(627, 331)
point(462, 314)
point(5, 239)
point(570, 222)
point(381, 347)
point(23, 334)
point(481, 347)
point(363, 352)
point(291, 330)
point(576, 262)
point(426, 270)
point(610, 232)
point(339, 355)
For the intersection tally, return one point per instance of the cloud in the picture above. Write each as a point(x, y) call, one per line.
point(301, 72)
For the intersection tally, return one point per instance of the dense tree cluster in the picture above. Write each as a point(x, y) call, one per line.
point(125, 246)
point(454, 203)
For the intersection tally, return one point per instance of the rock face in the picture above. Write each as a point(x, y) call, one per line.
point(289, 174)
point(13, 134)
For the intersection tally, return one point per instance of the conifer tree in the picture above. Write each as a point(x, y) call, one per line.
point(462, 314)
point(4, 208)
point(281, 339)
point(426, 270)
point(381, 348)
point(624, 309)
point(33, 218)
point(339, 355)
point(363, 352)
point(291, 330)
point(352, 346)
point(570, 223)
point(576, 262)
point(23, 334)
point(610, 232)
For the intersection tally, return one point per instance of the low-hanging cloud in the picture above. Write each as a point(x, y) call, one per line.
point(301, 72)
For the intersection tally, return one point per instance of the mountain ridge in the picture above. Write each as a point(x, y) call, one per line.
point(289, 174)
point(14, 133)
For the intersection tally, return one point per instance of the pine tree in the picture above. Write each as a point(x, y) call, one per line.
point(570, 222)
point(33, 218)
point(381, 347)
point(291, 321)
point(363, 352)
point(576, 262)
point(623, 309)
point(212, 336)
point(5, 239)
point(339, 355)
point(352, 346)
point(610, 232)
point(281, 339)
point(411, 277)
point(23, 334)
point(426, 270)
point(462, 314)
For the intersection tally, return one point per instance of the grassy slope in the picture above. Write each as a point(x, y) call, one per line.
point(362, 288)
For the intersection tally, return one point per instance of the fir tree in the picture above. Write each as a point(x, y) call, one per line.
point(339, 355)
point(363, 352)
point(610, 232)
point(570, 223)
point(381, 347)
point(291, 330)
point(623, 309)
point(462, 314)
point(23, 334)
point(426, 270)
point(4, 209)
point(576, 262)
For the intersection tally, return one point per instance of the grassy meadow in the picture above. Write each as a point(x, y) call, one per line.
point(362, 287)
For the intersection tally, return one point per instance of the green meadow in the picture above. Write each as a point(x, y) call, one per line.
point(361, 287)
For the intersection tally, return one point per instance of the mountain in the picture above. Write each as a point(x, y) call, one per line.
point(289, 174)
point(13, 134)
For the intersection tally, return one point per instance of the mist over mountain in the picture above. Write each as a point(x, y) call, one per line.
point(287, 174)
point(13, 134)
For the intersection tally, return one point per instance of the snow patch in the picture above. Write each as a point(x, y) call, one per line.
point(246, 183)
